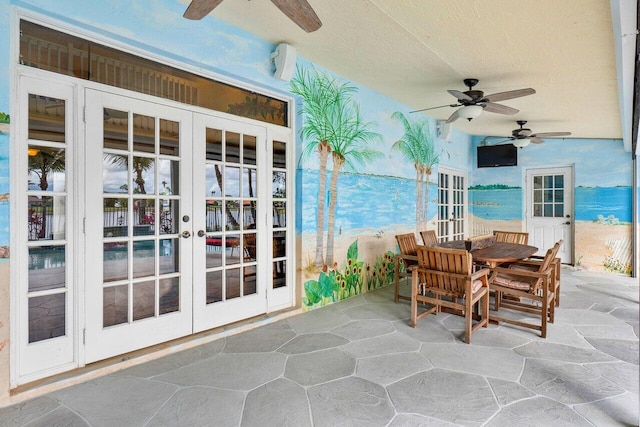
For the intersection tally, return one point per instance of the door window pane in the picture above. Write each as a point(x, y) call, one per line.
point(47, 268)
point(144, 258)
point(249, 280)
point(213, 251)
point(169, 209)
point(115, 264)
point(231, 181)
point(116, 129)
point(46, 118)
point(46, 168)
point(279, 274)
point(144, 297)
point(169, 290)
point(168, 173)
point(232, 283)
point(279, 154)
point(232, 147)
point(214, 181)
point(214, 286)
point(213, 148)
point(213, 215)
point(169, 137)
point(279, 186)
point(46, 219)
point(232, 249)
point(115, 174)
point(115, 305)
point(47, 317)
point(249, 182)
point(115, 223)
point(279, 214)
point(143, 178)
point(169, 256)
point(144, 133)
point(249, 149)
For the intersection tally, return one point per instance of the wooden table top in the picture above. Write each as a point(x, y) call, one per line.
point(497, 253)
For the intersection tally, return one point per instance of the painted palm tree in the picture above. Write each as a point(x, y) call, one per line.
point(322, 96)
point(351, 143)
point(417, 146)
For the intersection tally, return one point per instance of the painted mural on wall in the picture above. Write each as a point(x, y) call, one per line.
point(336, 134)
point(602, 198)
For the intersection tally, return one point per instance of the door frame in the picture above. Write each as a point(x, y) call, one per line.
point(527, 203)
point(282, 298)
point(465, 215)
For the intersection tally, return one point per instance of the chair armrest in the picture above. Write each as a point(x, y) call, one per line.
point(478, 274)
point(523, 273)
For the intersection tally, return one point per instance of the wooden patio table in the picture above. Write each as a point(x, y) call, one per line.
point(495, 254)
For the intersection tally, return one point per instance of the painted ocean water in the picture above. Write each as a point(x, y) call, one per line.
point(368, 201)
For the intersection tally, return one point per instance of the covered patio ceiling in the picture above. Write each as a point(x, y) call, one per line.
point(570, 51)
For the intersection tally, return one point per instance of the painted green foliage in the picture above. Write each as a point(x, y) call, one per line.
point(338, 284)
point(4, 118)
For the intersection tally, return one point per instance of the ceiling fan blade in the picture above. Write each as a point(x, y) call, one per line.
point(536, 140)
point(461, 96)
point(551, 134)
point(502, 96)
point(500, 109)
point(433, 108)
point(198, 9)
point(300, 12)
point(453, 117)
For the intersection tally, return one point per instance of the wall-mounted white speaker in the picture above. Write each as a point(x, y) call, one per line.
point(284, 58)
point(443, 129)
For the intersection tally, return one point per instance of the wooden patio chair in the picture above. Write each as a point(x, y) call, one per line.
point(429, 237)
point(535, 261)
point(511, 237)
point(404, 261)
point(479, 242)
point(532, 289)
point(443, 278)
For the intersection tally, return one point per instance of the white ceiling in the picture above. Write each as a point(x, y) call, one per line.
point(414, 50)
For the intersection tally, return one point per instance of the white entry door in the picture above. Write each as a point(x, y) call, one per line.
point(549, 209)
point(138, 224)
point(452, 204)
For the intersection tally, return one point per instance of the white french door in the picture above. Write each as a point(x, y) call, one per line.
point(452, 204)
point(549, 209)
point(230, 221)
point(138, 224)
point(44, 319)
point(161, 222)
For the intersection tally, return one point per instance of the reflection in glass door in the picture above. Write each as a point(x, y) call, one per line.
point(140, 264)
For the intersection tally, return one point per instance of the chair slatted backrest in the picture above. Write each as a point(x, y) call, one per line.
point(429, 237)
point(479, 242)
point(445, 269)
point(407, 243)
point(511, 237)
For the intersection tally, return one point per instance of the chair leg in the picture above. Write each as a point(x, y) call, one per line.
point(414, 302)
point(545, 308)
point(468, 316)
point(485, 310)
point(397, 280)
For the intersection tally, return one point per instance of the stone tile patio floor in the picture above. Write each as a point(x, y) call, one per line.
point(358, 362)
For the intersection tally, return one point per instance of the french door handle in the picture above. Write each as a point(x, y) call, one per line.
point(186, 234)
point(201, 233)
point(567, 223)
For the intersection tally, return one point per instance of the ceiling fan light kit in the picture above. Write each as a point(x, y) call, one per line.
point(521, 142)
point(470, 112)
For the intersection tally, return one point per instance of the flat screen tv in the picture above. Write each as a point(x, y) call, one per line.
point(491, 156)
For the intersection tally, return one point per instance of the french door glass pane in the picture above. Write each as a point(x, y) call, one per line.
point(115, 305)
point(47, 317)
point(46, 118)
point(47, 268)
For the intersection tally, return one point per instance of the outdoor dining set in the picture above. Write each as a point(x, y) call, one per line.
point(461, 276)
